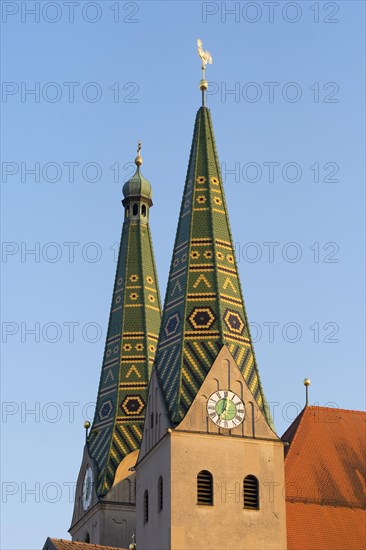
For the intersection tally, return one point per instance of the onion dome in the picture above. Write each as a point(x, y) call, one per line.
point(138, 186)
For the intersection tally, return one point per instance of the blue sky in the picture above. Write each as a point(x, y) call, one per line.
point(286, 96)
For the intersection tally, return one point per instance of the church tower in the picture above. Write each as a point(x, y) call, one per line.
point(104, 510)
point(210, 473)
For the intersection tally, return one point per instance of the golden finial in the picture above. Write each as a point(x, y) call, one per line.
point(86, 426)
point(205, 58)
point(138, 159)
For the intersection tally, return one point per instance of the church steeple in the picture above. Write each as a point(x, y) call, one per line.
point(132, 336)
point(204, 307)
point(209, 448)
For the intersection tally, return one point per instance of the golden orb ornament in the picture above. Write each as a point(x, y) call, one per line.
point(138, 159)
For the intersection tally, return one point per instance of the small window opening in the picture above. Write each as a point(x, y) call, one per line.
point(135, 209)
point(143, 210)
point(251, 493)
point(160, 494)
point(205, 488)
point(146, 506)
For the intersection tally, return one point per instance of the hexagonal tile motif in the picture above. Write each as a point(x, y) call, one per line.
point(132, 405)
point(234, 321)
point(105, 410)
point(172, 324)
point(202, 318)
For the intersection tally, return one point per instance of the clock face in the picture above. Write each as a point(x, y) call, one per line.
point(87, 488)
point(225, 409)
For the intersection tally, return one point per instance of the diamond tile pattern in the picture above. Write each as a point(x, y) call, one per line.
point(132, 338)
point(203, 290)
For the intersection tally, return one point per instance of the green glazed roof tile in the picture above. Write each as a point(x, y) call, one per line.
point(204, 307)
point(132, 336)
point(138, 185)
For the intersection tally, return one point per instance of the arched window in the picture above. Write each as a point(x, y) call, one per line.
point(160, 494)
point(146, 506)
point(143, 210)
point(204, 488)
point(251, 493)
point(135, 209)
point(87, 537)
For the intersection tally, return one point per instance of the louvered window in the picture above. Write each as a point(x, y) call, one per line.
point(251, 493)
point(160, 494)
point(146, 506)
point(204, 488)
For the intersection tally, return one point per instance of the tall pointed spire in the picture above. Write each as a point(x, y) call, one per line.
point(132, 336)
point(204, 307)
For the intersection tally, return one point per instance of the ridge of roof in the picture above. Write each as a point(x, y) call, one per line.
point(352, 411)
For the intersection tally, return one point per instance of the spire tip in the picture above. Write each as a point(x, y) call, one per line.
point(205, 58)
point(138, 159)
point(307, 383)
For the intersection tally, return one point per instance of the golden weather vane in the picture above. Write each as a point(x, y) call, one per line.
point(205, 58)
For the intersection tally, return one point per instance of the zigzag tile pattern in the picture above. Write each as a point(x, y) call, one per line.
point(132, 338)
point(204, 308)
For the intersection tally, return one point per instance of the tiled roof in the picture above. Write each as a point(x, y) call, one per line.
point(129, 354)
point(325, 480)
point(325, 461)
point(61, 544)
point(204, 307)
point(317, 527)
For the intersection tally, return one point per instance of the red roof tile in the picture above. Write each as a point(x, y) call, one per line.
point(325, 461)
point(325, 480)
point(61, 544)
point(317, 527)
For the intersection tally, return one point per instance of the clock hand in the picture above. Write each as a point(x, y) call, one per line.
point(222, 410)
point(226, 409)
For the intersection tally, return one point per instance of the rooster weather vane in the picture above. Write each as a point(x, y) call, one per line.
point(205, 58)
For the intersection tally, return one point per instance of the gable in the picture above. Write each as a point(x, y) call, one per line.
point(156, 418)
point(225, 375)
